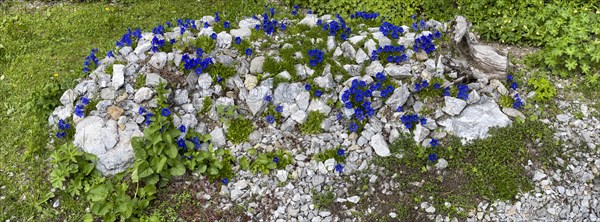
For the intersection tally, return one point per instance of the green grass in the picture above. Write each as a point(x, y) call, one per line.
point(313, 123)
point(239, 129)
point(37, 43)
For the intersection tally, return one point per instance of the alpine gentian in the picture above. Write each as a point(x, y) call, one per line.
point(238, 40)
point(61, 135)
point(339, 116)
point(217, 18)
point(268, 98)
point(248, 52)
point(348, 105)
point(509, 78)
point(514, 85)
point(399, 109)
point(226, 24)
point(110, 54)
point(423, 121)
point(165, 112)
point(225, 181)
point(279, 108)
point(270, 119)
point(425, 84)
point(182, 128)
point(307, 87)
point(436, 86)
point(432, 157)
point(79, 111)
point(148, 120)
point(181, 143)
point(341, 152)
point(433, 142)
point(353, 127)
point(141, 110)
point(85, 100)
point(276, 159)
point(447, 91)
point(318, 93)
point(339, 167)
point(213, 36)
point(380, 76)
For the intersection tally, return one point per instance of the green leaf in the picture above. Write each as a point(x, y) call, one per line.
point(144, 170)
point(161, 164)
point(178, 170)
point(202, 168)
point(88, 218)
point(171, 151)
point(244, 163)
point(99, 192)
point(124, 206)
point(213, 171)
point(571, 64)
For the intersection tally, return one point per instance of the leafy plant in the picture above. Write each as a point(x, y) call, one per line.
point(544, 90)
point(206, 105)
point(506, 101)
point(313, 123)
point(140, 81)
point(337, 153)
point(265, 162)
point(239, 129)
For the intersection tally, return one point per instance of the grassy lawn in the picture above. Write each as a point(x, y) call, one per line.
point(41, 54)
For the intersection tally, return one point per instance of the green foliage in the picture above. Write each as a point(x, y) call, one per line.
point(330, 154)
point(206, 43)
point(313, 123)
point(323, 199)
point(140, 81)
point(219, 70)
point(544, 90)
point(264, 162)
point(206, 105)
point(239, 129)
point(506, 101)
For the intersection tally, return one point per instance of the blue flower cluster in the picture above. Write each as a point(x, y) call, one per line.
point(198, 64)
point(425, 43)
point(316, 57)
point(411, 120)
point(334, 27)
point(357, 98)
point(295, 10)
point(159, 30)
point(513, 84)
point(395, 54)
point(89, 59)
point(518, 104)
point(422, 24)
point(422, 85)
point(463, 91)
point(127, 39)
point(62, 127)
point(270, 26)
point(188, 24)
point(391, 30)
point(141, 111)
point(156, 43)
point(365, 15)
point(447, 91)
point(79, 109)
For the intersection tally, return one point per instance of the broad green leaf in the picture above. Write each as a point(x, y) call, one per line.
point(244, 163)
point(161, 164)
point(99, 192)
point(213, 171)
point(178, 170)
point(88, 217)
point(144, 170)
point(124, 206)
point(202, 168)
point(171, 151)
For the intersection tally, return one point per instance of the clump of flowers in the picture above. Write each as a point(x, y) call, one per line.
point(273, 112)
point(425, 43)
point(391, 30)
point(187, 24)
point(295, 10)
point(197, 64)
point(364, 15)
point(463, 91)
point(62, 127)
point(80, 108)
point(270, 26)
point(358, 98)
point(128, 38)
point(410, 120)
point(518, 104)
point(316, 57)
point(336, 28)
point(391, 53)
point(157, 43)
point(91, 58)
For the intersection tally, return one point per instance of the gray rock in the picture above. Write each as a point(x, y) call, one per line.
point(225, 60)
point(255, 99)
point(95, 136)
point(347, 50)
point(374, 68)
point(204, 81)
point(337, 52)
point(153, 79)
point(121, 157)
point(330, 43)
point(398, 98)
point(473, 97)
point(379, 145)
point(189, 120)
point(241, 32)
point(281, 175)
point(361, 56)
point(250, 81)
point(475, 120)
point(353, 199)
point(142, 48)
point(256, 65)
point(513, 113)
point(421, 133)
point(397, 71)
point(453, 106)
point(143, 94)
point(181, 97)
point(108, 93)
point(302, 100)
point(286, 93)
point(224, 40)
point(217, 137)
point(158, 60)
point(441, 164)
point(248, 23)
point(118, 76)
point(299, 116)
point(284, 75)
point(563, 118)
point(310, 20)
point(325, 82)
point(319, 105)
point(68, 97)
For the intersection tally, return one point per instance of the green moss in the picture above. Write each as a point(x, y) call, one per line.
point(323, 200)
point(206, 105)
point(506, 101)
point(220, 70)
point(239, 129)
point(313, 123)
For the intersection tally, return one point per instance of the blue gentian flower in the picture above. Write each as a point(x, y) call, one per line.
point(181, 143)
point(437, 34)
point(509, 78)
point(425, 84)
point(173, 41)
point(279, 108)
point(148, 120)
point(380, 76)
point(514, 85)
point(436, 86)
point(270, 119)
point(213, 36)
point(225, 181)
point(226, 25)
point(339, 167)
point(433, 143)
point(415, 26)
point(447, 91)
point(182, 128)
point(432, 157)
point(248, 52)
point(85, 100)
point(518, 104)
point(353, 127)
point(422, 24)
point(268, 98)
point(141, 110)
point(165, 112)
point(79, 110)
point(217, 18)
point(307, 87)
point(318, 93)
point(348, 105)
point(276, 159)
point(340, 152)
point(110, 54)
point(61, 135)
point(423, 121)
point(219, 79)
point(206, 25)
point(238, 40)
point(399, 109)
